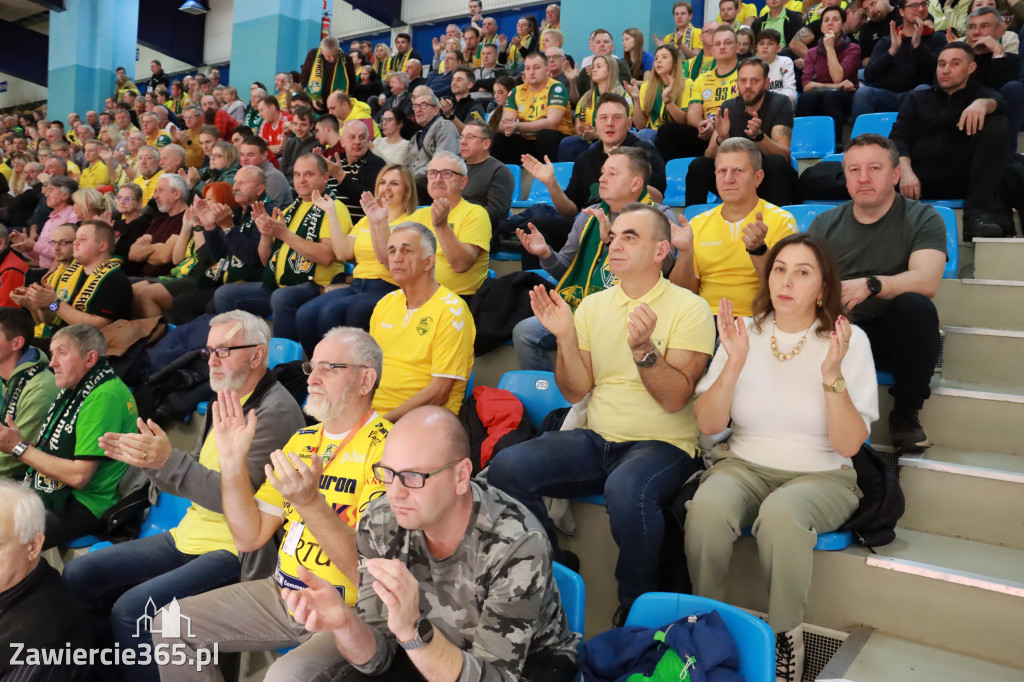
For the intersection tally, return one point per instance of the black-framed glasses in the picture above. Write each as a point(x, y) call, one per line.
point(54, 243)
point(223, 351)
point(410, 479)
point(446, 174)
point(309, 367)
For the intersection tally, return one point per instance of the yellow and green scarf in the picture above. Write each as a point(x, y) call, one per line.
point(315, 88)
point(72, 289)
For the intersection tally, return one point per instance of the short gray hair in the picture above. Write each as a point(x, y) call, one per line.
point(330, 43)
point(424, 91)
point(429, 240)
point(459, 161)
point(27, 511)
point(742, 145)
point(400, 75)
point(178, 183)
point(364, 348)
point(177, 149)
point(254, 329)
point(66, 185)
point(85, 337)
point(148, 150)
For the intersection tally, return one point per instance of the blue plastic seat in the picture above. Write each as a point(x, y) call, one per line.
point(517, 185)
point(491, 274)
point(885, 378)
point(539, 192)
point(536, 390)
point(805, 213)
point(507, 255)
point(573, 594)
point(675, 179)
point(832, 157)
point(279, 351)
point(827, 542)
point(86, 541)
point(754, 639)
point(814, 137)
point(163, 516)
point(944, 203)
point(591, 499)
point(546, 275)
point(880, 124)
point(952, 269)
point(691, 212)
point(469, 385)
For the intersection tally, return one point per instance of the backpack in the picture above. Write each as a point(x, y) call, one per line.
point(874, 521)
point(499, 305)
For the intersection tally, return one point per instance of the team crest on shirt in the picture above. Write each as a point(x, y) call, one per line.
point(706, 94)
point(423, 326)
point(298, 264)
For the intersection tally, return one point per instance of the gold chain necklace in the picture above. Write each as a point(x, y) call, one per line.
point(782, 357)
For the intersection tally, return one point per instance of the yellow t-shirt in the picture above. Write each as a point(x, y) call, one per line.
point(794, 5)
point(201, 530)
point(620, 408)
point(94, 176)
point(322, 274)
point(347, 484)
point(74, 172)
point(6, 170)
point(282, 99)
point(194, 153)
point(711, 90)
point(367, 265)
point(720, 258)
point(694, 43)
point(148, 186)
point(656, 119)
point(745, 11)
point(434, 340)
point(533, 106)
point(471, 226)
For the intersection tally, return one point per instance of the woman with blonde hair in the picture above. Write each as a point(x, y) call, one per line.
point(662, 98)
point(91, 204)
point(382, 57)
point(111, 136)
point(19, 183)
point(233, 105)
point(604, 75)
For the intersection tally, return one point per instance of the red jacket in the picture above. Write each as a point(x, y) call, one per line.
point(13, 267)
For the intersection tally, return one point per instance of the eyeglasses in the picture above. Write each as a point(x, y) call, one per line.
point(915, 5)
point(445, 174)
point(327, 367)
point(223, 351)
point(471, 137)
point(410, 479)
point(424, 105)
point(216, 155)
point(54, 243)
point(119, 198)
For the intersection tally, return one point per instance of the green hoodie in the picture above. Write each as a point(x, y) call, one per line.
point(35, 399)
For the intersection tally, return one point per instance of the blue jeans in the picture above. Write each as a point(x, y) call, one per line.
point(253, 297)
point(1013, 93)
point(647, 135)
point(871, 100)
point(532, 340)
point(116, 583)
point(570, 147)
point(285, 303)
point(637, 478)
point(351, 306)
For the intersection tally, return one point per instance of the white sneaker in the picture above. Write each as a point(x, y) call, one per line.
point(789, 655)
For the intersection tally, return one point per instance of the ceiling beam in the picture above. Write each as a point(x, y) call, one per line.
point(385, 11)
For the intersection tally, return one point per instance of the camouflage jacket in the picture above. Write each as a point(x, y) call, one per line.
point(494, 597)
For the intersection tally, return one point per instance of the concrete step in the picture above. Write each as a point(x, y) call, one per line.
point(994, 304)
point(999, 259)
point(965, 416)
point(879, 655)
point(984, 356)
point(972, 495)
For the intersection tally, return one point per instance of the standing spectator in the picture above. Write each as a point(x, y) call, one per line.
point(686, 37)
point(326, 70)
point(123, 85)
point(159, 77)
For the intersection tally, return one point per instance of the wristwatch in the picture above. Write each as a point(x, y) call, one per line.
point(20, 449)
point(759, 251)
point(838, 387)
point(650, 358)
point(424, 633)
point(760, 136)
point(874, 286)
point(197, 228)
point(54, 306)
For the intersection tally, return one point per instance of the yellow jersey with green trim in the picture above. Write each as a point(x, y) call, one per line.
point(322, 274)
point(533, 105)
point(472, 226)
point(148, 186)
point(434, 340)
point(657, 118)
point(711, 90)
point(347, 485)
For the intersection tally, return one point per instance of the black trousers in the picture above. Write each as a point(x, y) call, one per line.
point(510, 149)
point(905, 341)
point(679, 141)
point(189, 305)
point(73, 522)
point(538, 668)
point(778, 186)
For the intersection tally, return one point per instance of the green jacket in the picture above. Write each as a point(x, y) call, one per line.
point(30, 409)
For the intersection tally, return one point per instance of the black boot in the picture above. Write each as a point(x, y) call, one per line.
point(907, 434)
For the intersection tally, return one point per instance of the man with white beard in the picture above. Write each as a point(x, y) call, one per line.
point(318, 486)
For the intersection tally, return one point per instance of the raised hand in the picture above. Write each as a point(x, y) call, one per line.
point(296, 482)
point(839, 344)
point(447, 106)
point(321, 201)
point(639, 326)
point(754, 126)
point(193, 177)
point(148, 449)
point(604, 223)
point(439, 212)
point(754, 233)
point(894, 36)
point(541, 172)
point(233, 431)
point(732, 333)
point(373, 208)
point(319, 607)
point(705, 128)
point(682, 234)
point(533, 241)
point(400, 591)
point(553, 312)
point(722, 126)
point(633, 90)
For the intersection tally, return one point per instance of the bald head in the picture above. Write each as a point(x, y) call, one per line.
point(435, 432)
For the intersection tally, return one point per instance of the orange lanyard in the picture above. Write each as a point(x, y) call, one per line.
point(351, 434)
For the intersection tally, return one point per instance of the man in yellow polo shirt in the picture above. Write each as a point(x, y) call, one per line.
point(463, 230)
point(425, 330)
point(537, 115)
point(724, 254)
point(712, 88)
point(95, 174)
point(117, 582)
point(147, 171)
point(316, 487)
point(638, 348)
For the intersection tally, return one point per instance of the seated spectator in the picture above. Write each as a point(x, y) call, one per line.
point(366, 244)
point(639, 61)
point(748, 115)
point(745, 41)
point(391, 146)
point(471, 53)
point(736, 14)
point(149, 167)
point(786, 466)
point(436, 134)
point(461, 108)
point(557, 69)
point(787, 22)
point(63, 241)
point(252, 119)
point(1012, 16)
point(728, 244)
point(707, 94)
point(441, 80)
point(13, 266)
point(67, 467)
point(253, 152)
point(489, 31)
point(637, 348)
point(581, 266)
point(57, 192)
point(661, 100)
point(20, 211)
point(947, 15)
point(403, 54)
point(876, 26)
point(151, 254)
point(425, 330)
point(31, 592)
point(537, 115)
point(601, 43)
point(415, 70)
point(28, 386)
point(400, 97)
point(178, 100)
point(301, 142)
point(356, 170)
point(891, 251)
point(217, 117)
point(478, 530)
point(781, 72)
point(900, 62)
point(326, 71)
point(952, 145)
point(295, 246)
point(525, 42)
point(830, 73)
point(233, 105)
point(199, 553)
point(223, 164)
point(490, 182)
point(328, 137)
point(96, 173)
point(155, 137)
point(997, 68)
point(276, 124)
point(194, 120)
point(320, 486)
point(605, 79)
point(346, 108)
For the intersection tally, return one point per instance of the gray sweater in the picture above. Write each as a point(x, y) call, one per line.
point(490, 185)
point(278, 417)
point(439, 134)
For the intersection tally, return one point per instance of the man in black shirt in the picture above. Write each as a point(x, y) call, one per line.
point(952, 144)
point(356, 170)
point(461, 108)
point(762, 116)
point(998, 68)
point(880, 13)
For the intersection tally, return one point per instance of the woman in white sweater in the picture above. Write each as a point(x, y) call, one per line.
point(797, 382)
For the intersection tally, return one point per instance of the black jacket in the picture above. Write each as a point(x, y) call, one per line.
point(792, 23)
point(909, 68)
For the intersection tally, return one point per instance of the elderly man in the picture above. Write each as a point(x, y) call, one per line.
point(253, 152)
point(295, 247)
point(537, 115)
point(489, 182)
point(326, 70)
point(400, 97)
point(356, 170)
point(424, 329)
point(441, 80)
point(214, 115)
point(320, 484)
point(637, 348)
point(57, 191)
point(892, 251)
point(31, 592)
point(147, 171)
point(152, 253)
point(624, 178)
point(199, 553)
point(471, 530)
point(155, 136)
point(302, 140)
point(997, 67)
point(67, 466)
point(95, 173)
point(436, 134)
